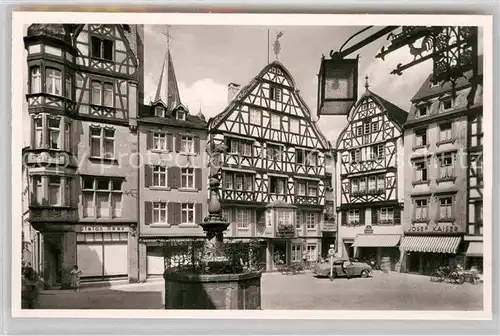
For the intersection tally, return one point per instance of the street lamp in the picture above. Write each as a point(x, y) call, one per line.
point(337, 85)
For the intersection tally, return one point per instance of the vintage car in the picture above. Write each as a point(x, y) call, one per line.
point(342, 267)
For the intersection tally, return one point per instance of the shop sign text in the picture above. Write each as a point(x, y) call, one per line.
point(437, 229)
point(103, 228)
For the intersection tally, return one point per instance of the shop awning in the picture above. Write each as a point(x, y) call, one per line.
point(430, 244)
point(475, 249)
point(376, 240)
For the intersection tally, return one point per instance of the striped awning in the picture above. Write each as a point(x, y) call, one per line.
point(475, 249)
point(431, 244)
point(376, 240)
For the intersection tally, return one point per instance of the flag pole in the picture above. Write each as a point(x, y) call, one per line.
point(268, 46)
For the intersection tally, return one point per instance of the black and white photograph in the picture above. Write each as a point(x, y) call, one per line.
point(193, 163)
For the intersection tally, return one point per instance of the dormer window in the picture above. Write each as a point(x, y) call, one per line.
point(102, 48)
point(422, 111)
point(159, 111)
point(181, 115)
point(447, 104)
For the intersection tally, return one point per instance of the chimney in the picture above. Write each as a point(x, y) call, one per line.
point(232, 90)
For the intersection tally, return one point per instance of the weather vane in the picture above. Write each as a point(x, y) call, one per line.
point(277, 45)
point(168, 35)
point(367, 85)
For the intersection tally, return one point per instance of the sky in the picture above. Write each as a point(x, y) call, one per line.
point(207, 58)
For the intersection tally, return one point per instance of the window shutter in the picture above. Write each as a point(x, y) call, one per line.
point(177, 213)
point(198, 178)
point(148, 176)
point(397, 215)
point(170, 142)
point(174, 177)
point(148, 213)
point(170, 213)
point(374, 216)
point(170, 177)
point(177, 143)
point(362, 215)
point(197, 144)
point(149, 140)
point(198, 213)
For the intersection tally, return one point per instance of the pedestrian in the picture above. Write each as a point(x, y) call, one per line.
point(344, 269)
point(75, 278)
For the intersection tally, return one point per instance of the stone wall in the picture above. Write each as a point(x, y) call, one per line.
point(212, 291)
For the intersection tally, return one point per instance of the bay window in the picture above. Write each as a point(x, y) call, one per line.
point(54, 133)
point(381, 182)
point(38, 132)
point(53, 81)
point(37, 189)
point(312, 189)
point(51, 190)
point(372, 183)
point(36, 80)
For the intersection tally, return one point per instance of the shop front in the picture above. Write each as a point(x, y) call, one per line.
point(474, 255)
point(383, 249)
point(102, 251)
point(424, 254)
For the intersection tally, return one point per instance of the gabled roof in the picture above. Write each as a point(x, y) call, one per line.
point(147, 116)
point(245, 91)
point(167, 91)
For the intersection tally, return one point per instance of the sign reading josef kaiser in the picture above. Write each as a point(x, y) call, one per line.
point(102, 228)
point(440, 228)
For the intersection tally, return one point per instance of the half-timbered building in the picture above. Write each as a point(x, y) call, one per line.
point(443, 170)
point(369, 180)
point(275, 160)
point(172, 178)
point(84, 86)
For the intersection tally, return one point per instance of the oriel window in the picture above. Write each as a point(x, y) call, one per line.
point(36, 80)
point(53, 81)
point(54, 133)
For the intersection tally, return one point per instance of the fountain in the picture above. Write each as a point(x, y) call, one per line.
point(223, 281)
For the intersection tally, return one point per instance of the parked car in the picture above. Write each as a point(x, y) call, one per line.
point(342, 267)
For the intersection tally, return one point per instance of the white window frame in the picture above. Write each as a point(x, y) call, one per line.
point(111, 211)
point(372, 183)
point(159, 176)
point(67, 135)
point(446, 207)
point(187, 175)
point(36, 80)
point(242, 218)
point(187, 144)
point(296, 252)
point(54, 130)
point(310, 187)
point(160, 141)
point(248, 182)
point(255, 116)
point(160, 111)
point(381, 182)
point(353, 216)
point(55, 182)
point(228, 181)
point(275, 122)
point(54, 76)
point(68, 87)
point(445, 132)
point(38, 132)
point(420, 136)
point(312, 253)
point(310, 220)
point(419, 168)
point(188, 209)
point(99, 93)
point(421, 209)
point(294, 126)
point(181, 115)
point(103, 140)
point(301, 188)
point(159, 211)
point(386, 214)
point(446, 166)
point(354, 185)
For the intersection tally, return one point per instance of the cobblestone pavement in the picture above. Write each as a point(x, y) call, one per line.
point(303, 291)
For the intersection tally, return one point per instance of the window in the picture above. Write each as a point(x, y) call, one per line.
point(381, 182)
point(68, 89)
point(160, 141)
point(102, 142)
point(273, 153)
point(54, 133)
point(187, 213)
point(376, 152)
point(356, 155)
point(421, 209)
point(446, 166)
point(54, 190)
point(422, 111)
point(38, 133)
point(301, 188)
point(187, 144)
point(102, 94)
point(187, 177)
point(243, 218)
point(372, 183)
point(374, 126)
point(159, 213)
point(294, 126)
point(421, 138)
point(255, 116)
point(353, 216)
point(67, 136)
point(296, 252)
point(102, 197)
point(102, 48)
point(277, 185)
point(312, 189)
point(447, 104)
point(445, 132)
point(311, 253)
point(275, 122)
point(359, 130)
point(53, 81)
point(298, 220)
point(311, 159)
point(386, 215)
point(181, 115)
point(36, 80)
point(38, 188)
point(248, 180)
point(228, 180)
point(242, 147)
point(445, 208)
point(362, 184)
point(275, 93)
point(159, 111)
point(367, 127)
point(354, 185)
point(159, 176)
point(299, 156)
point(420, 171)
point(310, 220)
point(479, 212)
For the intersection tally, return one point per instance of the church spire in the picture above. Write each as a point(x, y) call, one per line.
point(167, 90)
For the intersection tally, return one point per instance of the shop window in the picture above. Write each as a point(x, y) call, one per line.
point(296, 253)
point(312, 253)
